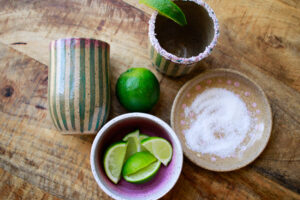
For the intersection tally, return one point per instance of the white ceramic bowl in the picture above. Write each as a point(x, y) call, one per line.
point(114, 131)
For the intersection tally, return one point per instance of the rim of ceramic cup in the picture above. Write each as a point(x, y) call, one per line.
point(81, 38)
point(170, 132)
point(182, 60)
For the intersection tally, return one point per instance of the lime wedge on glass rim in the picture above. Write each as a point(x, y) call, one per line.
point(133, 143)
point(145, 174)
point(168, 9)
point(137, 162)
point(159, 147)
point(114, 159)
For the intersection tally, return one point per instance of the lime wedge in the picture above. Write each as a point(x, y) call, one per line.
point(114, 159)
point(159, 147)
point(168, 9)
point(133, 143)
point(137, 161)
point(143, 136)
point(145, 174)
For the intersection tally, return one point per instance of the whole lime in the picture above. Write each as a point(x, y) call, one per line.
point(138, 89)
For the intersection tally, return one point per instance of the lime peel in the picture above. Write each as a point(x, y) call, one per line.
point(137, 162)
point(145, 174)
point(138, 90)
point(168, 9)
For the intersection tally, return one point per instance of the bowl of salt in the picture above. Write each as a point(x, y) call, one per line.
point(223, 120)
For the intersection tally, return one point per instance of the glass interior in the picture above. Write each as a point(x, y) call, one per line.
point(190, 40)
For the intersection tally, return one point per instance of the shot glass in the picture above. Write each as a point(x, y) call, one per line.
point(176, 50)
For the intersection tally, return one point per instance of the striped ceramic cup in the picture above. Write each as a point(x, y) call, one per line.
point(79, 85)
point(176, 50)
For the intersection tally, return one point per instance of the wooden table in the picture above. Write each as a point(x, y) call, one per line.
point(260, 38)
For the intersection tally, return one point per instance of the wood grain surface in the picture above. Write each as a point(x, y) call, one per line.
point(260, 38)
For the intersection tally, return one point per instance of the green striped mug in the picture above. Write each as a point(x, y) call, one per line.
point(79, 85)
point(176, 51)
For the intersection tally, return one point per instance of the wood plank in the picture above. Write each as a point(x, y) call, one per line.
point(12, 187)
point(34, 151)
point(197, 183)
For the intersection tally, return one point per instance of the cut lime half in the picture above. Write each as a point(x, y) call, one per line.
point(145, 174)
point(159, 147)
point(137, 162)
point(133, 143)
point(168, 9)
point(114, 159)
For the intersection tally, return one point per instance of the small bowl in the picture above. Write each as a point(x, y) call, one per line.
point(253, 97)
point(114, 131)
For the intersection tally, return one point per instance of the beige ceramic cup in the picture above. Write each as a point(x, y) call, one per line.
point(79, 85)
point(176, 50)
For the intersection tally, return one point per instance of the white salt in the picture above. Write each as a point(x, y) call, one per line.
point(222, 123)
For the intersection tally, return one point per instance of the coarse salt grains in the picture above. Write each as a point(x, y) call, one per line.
point(221, 124)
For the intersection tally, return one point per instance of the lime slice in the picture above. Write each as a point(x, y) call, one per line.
point(168, 9)
point(114, 159)
point(159, 147)
point(143, 136)
point(145, 174)
point(137, 161)
point(133, 143)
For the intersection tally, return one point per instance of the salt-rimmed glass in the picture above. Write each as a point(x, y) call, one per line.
point(176, 50)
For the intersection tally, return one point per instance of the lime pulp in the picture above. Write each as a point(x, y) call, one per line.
point(113, 161)
point(159, 147)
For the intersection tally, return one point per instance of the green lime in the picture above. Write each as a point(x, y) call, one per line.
point(138, 89)
point(143, 136)
point(168, 9)
point(159, 147)
point(137, 161)
point(114, 159)
point(133, 143)
point(145, 174)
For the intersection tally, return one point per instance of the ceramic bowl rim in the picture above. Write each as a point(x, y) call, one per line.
point(210, 71)
point(170, 132)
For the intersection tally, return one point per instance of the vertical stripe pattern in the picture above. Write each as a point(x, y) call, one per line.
point(79, 85)
point(167, 67)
